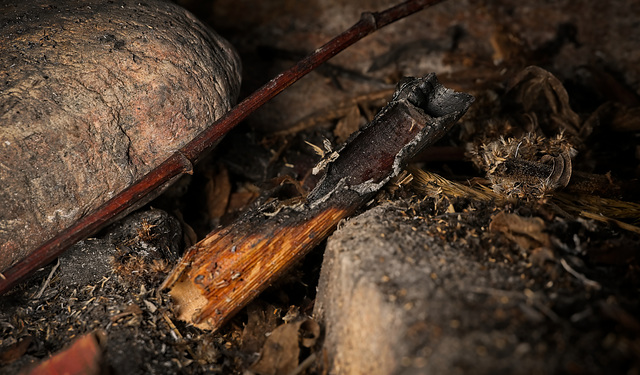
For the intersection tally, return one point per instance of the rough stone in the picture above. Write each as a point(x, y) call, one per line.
point(93, 96)
point(394, 299)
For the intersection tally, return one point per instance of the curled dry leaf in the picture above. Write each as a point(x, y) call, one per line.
point(545, 100)
point(529, 233)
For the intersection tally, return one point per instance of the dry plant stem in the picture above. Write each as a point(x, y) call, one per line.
point(223, 272)
point(182, 161)
point(571, 200)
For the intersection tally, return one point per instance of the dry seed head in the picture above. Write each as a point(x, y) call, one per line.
point(500, 158)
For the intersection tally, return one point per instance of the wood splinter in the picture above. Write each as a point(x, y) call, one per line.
point(227, 269)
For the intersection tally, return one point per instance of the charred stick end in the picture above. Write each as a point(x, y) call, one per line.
point(227, 269)
point(232, 266)
point(420, 112)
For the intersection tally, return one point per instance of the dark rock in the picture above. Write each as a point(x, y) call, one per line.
point(400, 295)
point(87, 262)
point(151, 234)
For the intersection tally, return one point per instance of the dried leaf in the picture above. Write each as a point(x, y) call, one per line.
point(217, 190)
point(616, 117)
point(84, 356)
point(15, 351)
point(347, 125)
point(243, 198)
point(529, 233)
point(262, 320)
point(334, 112)
point(281, 352)
point(606, 86)
point(540, 255)
point(507, 45)
point(543, 97)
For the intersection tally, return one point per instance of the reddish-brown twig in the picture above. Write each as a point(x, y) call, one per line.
point(182, 161)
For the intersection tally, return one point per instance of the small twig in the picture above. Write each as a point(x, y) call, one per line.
point(590, 283)
point(48, 280)
point(304, 364)
point(178, 336)
point(174, 329)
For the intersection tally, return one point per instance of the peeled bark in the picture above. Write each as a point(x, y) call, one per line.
point(93, 96)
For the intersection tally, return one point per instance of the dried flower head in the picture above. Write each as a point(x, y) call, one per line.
point(527, 167)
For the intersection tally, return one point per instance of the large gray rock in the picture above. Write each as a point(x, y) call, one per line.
point(398, 296)
point(94, 94)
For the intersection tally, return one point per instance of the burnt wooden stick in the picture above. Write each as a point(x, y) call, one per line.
point(182, 161)
point(227, 269)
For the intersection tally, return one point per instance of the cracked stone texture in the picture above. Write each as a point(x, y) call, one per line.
point(93, 95)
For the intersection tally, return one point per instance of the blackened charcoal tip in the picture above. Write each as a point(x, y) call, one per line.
point(428, 94)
